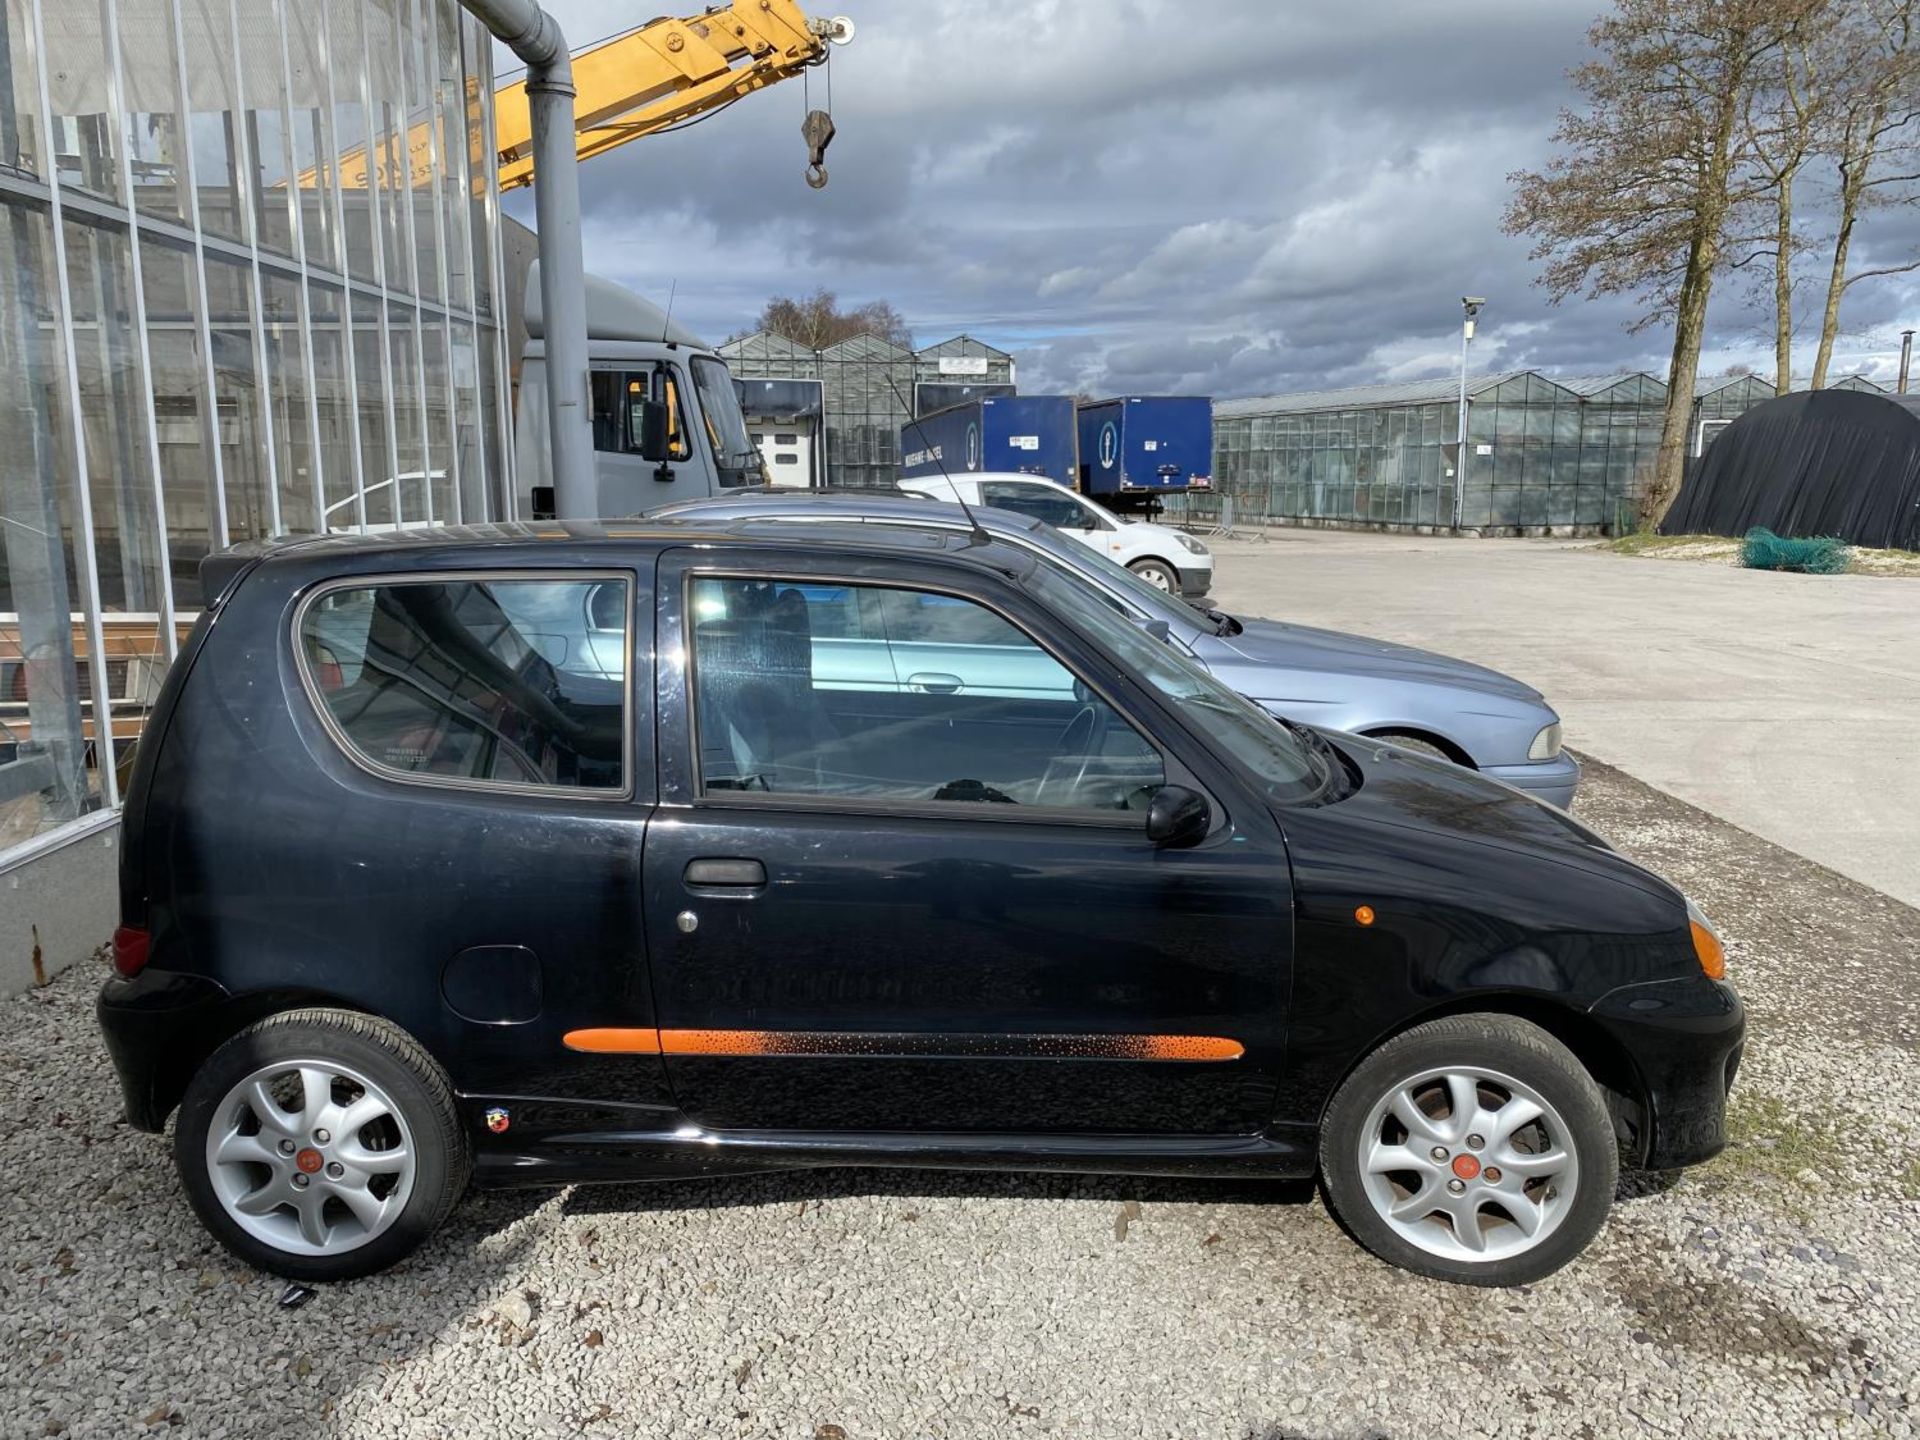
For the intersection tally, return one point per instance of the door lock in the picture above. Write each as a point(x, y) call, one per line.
point(687, 921)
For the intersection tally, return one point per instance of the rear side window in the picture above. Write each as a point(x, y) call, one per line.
point(516, 683)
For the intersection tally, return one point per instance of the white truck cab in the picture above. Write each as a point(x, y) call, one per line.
point(1167, 558)
point(666, 417)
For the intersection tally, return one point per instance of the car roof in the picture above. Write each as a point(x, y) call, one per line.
point(864, 504)
point(543, 542)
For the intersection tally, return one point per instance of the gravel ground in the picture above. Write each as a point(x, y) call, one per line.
point(1775, 1292)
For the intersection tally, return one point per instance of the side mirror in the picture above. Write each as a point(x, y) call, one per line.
point(650, 430)
point(1178, 817)
point(1158, 629)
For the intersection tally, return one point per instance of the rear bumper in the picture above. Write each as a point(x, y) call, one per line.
point(1554, 781)
point(156, 1026)
point(1685, 1038)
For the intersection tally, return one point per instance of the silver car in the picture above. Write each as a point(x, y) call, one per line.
point(1466, 713)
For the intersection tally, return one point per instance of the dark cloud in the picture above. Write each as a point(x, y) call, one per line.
point(1144, 195)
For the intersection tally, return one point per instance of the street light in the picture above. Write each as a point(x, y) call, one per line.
point(1471, 304)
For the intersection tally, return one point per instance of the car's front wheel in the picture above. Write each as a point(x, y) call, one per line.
point(1474, 1148)
point(321, 1144)
point(1158, 574)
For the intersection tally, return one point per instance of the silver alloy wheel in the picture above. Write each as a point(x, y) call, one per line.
point(310, 1157)
point(1156, 577)
point(1468, 1164)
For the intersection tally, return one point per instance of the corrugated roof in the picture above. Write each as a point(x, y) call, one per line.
point(1363, 397)
point(1595, 384)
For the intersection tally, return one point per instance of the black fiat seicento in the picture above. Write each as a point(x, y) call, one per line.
point(607, 853)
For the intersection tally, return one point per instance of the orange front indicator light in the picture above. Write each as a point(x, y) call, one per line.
point(1364, 914)
point(1707, 948)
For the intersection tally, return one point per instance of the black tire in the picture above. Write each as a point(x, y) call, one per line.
point(1159, 574)
point(383, 1053)
point(1499, 1043)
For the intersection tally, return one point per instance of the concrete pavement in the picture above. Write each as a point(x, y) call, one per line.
point(1786, 704)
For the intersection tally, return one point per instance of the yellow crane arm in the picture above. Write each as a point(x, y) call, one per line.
point(668, 72)
point(661, 74)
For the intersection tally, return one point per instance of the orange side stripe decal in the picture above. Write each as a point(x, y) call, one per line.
point(933, 1045)
point(614, 1041)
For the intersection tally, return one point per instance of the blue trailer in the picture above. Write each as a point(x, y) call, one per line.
point(1021, 434)
point(1135, 449)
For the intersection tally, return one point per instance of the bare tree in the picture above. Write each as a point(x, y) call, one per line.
point(1639, 198)
point(817, 321)
point(1871, 138)
point(1786, 113)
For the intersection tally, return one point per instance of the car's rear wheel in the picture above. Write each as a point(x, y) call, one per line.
point(1158, 574)
point(321, 1144)
point(1474, 1148)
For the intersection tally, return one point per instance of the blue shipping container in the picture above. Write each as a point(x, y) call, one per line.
point(1146, 445)
point(1018, 434)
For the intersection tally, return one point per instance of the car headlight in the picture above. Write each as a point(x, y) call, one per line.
point(1546, 744)
point(1707, 948)
point(1189, 544)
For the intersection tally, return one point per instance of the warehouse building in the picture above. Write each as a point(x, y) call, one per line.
point(833, 416)
point(250, 284)
point(1564, 455)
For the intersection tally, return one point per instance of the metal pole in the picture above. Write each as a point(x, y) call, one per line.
point(1472, 306)
point(534, 36)
point(1906, 358)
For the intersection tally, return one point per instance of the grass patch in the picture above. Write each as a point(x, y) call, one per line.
point(1772, 1150)
point(1721, 550)
point(1910, 1181)
point(1646, 542)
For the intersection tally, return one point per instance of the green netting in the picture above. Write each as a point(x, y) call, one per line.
point(1811, 555)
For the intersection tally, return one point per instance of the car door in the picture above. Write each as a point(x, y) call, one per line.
point(919, 908)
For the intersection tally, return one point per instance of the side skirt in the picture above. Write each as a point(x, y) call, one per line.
point(588, 1156)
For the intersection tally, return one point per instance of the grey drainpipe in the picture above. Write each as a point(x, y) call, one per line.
point(535, 37)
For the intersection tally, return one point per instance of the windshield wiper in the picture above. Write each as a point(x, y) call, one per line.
point(1223, 623)
point(1332, 764)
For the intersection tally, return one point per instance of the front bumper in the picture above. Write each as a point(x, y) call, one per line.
point(158, 1027)
point(1196, 576)
point(1685, 1039)
point(1553, 781)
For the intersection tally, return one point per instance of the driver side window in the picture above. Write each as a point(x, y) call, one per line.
point(868, 692)
point(1058, 509)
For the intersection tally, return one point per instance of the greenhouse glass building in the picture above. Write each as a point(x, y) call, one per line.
point(1543, 455)
point(838, 411)
point(250, 284)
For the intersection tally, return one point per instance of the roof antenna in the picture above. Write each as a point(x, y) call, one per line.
point(667, 323)
point(979, 536)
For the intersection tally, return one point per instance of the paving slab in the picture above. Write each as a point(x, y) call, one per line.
point(1786, 704)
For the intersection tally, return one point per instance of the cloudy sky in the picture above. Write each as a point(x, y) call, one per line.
point(1246, 197)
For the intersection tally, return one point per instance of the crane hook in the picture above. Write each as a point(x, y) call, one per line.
point(817, 131)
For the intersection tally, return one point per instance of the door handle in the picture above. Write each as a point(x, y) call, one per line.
point(933, 682)
point(726, 874)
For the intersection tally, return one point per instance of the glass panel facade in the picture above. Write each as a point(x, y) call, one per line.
point(276, 223)
point(1541, 456)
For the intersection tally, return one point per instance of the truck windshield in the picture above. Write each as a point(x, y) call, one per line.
point(1283, 764)
point(726, 427)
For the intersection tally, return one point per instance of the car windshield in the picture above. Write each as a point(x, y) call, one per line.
point(720, 403)
point(1283, 762)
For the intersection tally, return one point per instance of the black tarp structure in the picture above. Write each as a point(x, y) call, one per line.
point(1816, 462)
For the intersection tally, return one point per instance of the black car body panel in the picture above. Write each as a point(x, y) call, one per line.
point(954, 978)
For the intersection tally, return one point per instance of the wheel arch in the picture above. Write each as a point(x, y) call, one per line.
point(1599, 1054)
point(220, 1024)
point(1449, 748)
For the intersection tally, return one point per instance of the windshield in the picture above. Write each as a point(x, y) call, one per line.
point(1285, 766)
point(726, 426)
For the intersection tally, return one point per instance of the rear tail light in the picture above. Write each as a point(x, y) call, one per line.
point(130, 945)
